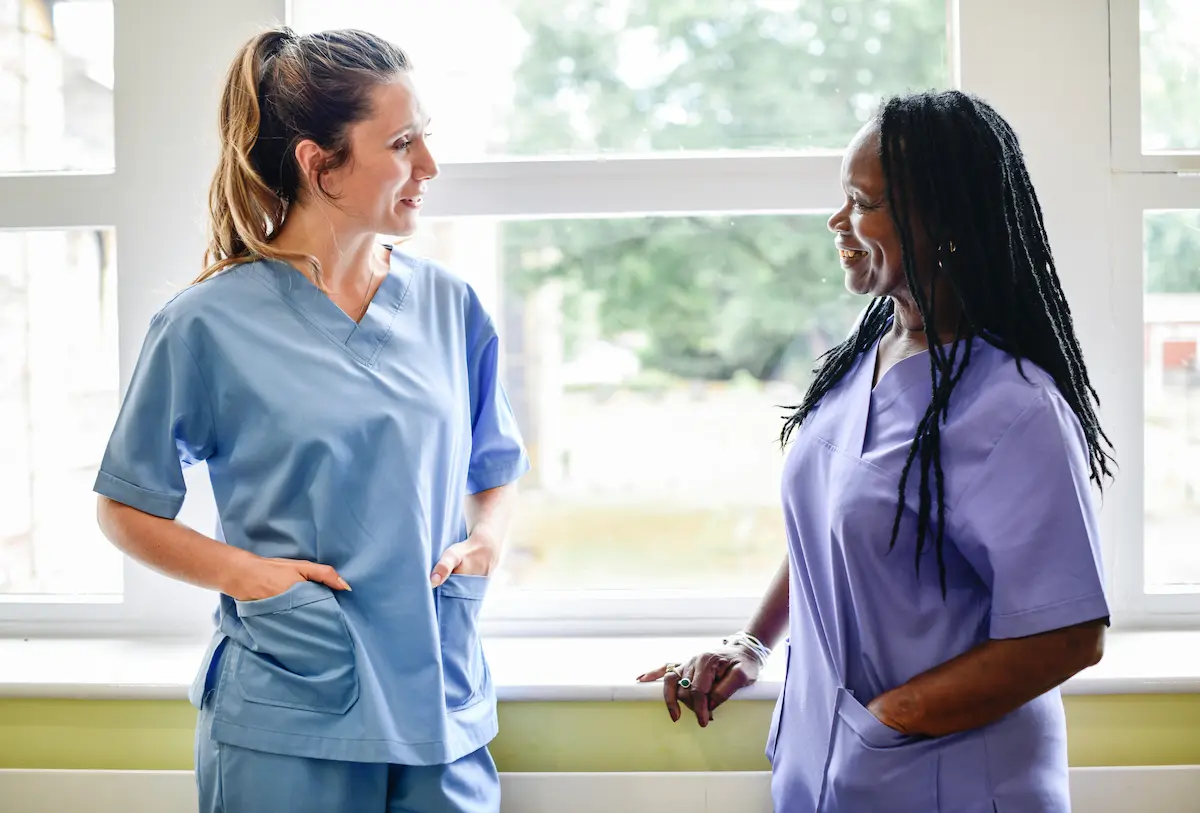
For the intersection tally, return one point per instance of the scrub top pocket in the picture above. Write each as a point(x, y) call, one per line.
point(874, 767)
point(302, 655)
point(459, 600)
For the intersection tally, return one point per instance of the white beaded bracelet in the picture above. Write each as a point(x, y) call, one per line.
point(757, 648)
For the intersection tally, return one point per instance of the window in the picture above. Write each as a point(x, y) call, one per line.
point(650, 351)
point(1156, 65)
point(1172, 314)
point(58, 400)
point(647, 359)
point(1170, 41)
point(56, 85)
point(610, 76)
point(639, 191)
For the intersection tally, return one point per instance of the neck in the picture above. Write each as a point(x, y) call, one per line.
point(908, 326)
point(349, 256)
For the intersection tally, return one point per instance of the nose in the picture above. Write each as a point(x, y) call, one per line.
point(425, 167)
point(839, 221)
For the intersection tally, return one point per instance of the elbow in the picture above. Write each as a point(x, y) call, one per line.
point(1089, 644)
point(109, 515)
point(1096, 651)
point(103, 512)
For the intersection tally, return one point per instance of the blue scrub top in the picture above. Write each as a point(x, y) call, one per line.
point(1022, 557)
point(350, 444)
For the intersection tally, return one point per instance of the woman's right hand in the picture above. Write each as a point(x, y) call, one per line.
point(255, 577)
point(713, 676)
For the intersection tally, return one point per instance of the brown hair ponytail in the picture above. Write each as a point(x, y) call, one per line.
point(282, 89)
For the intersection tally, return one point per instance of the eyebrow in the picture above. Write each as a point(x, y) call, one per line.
point(408, 128)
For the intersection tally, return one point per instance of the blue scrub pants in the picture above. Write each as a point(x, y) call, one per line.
point(239, 780)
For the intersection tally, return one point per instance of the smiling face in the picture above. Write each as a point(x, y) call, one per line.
point(865, 236)
point(382, 184)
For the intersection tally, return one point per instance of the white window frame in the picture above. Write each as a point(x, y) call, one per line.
point(169, 59)
point(1127, 155)
point(1140, 182)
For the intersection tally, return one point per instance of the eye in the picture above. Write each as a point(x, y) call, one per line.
point(402, 145)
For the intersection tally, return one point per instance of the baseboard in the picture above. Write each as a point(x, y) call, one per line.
point(1093, 790)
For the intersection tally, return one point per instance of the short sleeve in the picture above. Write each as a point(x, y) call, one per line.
point(165, 423)
point(497, 452)
point(1027, 525)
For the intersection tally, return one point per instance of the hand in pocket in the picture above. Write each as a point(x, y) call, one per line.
point(256, 577)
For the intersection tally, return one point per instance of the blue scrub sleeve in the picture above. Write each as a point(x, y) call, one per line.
point(1028, 525)
point(165, 422)
point(497, 452)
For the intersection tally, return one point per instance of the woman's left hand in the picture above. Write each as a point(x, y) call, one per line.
point(478, 555)
point(881, 708)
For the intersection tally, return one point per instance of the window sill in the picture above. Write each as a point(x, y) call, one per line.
point(528, 669)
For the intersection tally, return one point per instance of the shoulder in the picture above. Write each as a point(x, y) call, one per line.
point(430, 274)
point(1003, 414)
point(996, 393)
point(438, 284)
point(232, 290)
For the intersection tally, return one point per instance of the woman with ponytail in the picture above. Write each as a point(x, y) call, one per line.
point(346, 399)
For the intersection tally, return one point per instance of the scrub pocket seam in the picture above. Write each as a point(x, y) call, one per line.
point(298, 655)
point(459, 600)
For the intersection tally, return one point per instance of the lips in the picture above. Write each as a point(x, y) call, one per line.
point(851, 254)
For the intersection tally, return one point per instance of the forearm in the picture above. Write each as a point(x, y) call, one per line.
point(992, 680)
point(770, 619)
point(489, 513)
point(168, 546)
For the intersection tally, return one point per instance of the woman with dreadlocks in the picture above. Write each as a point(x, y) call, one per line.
point(944, 572)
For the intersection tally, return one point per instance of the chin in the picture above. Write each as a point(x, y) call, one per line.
point(858, 285)
point(400, 227)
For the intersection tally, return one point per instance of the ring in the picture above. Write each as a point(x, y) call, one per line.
point(673, 668)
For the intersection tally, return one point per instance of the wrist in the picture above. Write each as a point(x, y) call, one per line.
point(484, 537)
point(231, 570)
point(750, 644)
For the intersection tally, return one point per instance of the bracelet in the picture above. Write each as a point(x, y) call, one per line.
point(757, 648)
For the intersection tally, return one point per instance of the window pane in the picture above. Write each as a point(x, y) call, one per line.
point(58, 401)
point(532, 77)
point(1172, 316)
point(647, 359)
point(1170, 49)
point(56, 85)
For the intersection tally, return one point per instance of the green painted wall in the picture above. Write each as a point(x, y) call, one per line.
point(136, 734)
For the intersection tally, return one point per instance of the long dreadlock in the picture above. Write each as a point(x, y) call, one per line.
point(953, 159)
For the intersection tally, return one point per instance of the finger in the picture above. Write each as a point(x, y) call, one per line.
point(735, 679)
point(707, 669)
point(653, 675)
point(702, 678)
point(324, 574)
point(671, 695)
point(697, 701)
point(450, 560)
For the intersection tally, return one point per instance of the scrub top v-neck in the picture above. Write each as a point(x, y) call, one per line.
point(1022, 556)
point(348, 443)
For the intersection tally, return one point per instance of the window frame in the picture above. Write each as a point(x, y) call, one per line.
point(1065, 42)
point(1125, 32)
point(1140, 182)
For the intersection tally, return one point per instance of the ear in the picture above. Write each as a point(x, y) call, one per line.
point(309, 158)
